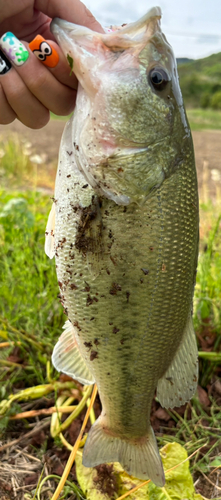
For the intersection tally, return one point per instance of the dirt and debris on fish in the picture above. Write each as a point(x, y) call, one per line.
point(126, 208)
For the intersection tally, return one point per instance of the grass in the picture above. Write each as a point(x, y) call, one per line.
point(204, 119)
point(31, 316)
point(194, 430)
point(28, 284)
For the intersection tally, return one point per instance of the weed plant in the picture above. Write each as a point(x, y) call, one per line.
point(207, 297)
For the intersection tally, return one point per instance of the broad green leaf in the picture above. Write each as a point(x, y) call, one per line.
point(112, 481)
point(179, 482)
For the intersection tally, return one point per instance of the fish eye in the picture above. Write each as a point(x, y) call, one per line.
point(158, 78)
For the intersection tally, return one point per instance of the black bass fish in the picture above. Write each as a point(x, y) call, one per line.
point(124, 231)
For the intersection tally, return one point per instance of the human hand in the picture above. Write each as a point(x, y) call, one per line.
point(29, 89)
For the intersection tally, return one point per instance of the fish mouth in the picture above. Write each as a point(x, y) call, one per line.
point(124, 37)
point(87, 51)
point(154, 13)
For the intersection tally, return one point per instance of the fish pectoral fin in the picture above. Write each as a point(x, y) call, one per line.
point(67, 358)
point(139, 459)
point(179, 383)
point(49, 234)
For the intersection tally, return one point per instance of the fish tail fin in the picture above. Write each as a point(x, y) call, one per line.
point(140, 459)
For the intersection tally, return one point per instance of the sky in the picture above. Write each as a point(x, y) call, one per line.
point(192, 27)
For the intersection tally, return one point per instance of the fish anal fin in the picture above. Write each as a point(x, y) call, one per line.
point(141, 460)
point(67, 358)
point(179, 383)
point(49, 234)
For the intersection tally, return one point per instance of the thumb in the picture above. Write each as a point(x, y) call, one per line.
point(73, 11)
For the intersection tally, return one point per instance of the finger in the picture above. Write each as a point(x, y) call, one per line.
point(21, 103)
point(50, 54)
point(7, 115)
point(16, 100)
point(55, 96)
point(73, 11)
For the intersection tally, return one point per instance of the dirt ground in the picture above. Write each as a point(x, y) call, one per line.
point(207, 146)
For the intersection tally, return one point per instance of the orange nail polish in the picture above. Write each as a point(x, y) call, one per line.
point(44, 52)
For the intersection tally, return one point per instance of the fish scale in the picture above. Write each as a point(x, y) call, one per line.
point(157, 306)
point(124, 232)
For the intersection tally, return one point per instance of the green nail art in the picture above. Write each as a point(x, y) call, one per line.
point(23, 55)
point(14, 49)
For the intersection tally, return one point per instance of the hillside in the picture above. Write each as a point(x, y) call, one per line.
point(200, 82)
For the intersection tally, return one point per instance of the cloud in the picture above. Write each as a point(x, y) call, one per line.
point(117, 12)
point(208, 39)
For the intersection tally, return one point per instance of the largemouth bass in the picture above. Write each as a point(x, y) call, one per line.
point(124, 231)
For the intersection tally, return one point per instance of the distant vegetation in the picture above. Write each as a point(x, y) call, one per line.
point(183, 60)
point(200, 82)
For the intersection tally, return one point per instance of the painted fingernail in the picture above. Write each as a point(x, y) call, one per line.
point(14, 49)
point(5, 64)
point(44, 52)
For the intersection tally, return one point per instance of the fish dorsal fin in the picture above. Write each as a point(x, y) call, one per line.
point(49, 234)
point(67, 358)
point(179, 383)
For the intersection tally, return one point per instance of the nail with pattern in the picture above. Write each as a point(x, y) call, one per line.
point(5, 64)
point(14, 49)
point(44, 52)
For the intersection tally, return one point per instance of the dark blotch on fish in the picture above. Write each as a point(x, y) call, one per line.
point(93, 355)
point(115, 288)
point(115, 329)
point(73, 286)
point(76, 324)
point(90, 300)
point(145, 271)
point(88, 345)
point(89, 231)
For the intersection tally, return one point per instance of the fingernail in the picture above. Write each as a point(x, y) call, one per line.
point(5, 64)
point(44, 52)
point(14, 49)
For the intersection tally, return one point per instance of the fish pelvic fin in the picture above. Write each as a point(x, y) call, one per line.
point(179, 383)
point(49, 234)
point(67, 358)
point(140, 459)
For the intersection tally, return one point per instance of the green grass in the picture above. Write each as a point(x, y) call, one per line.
point(15, 164)
point(29, 308)
point(204, 119)
point(194, 430)
point(208, 282)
